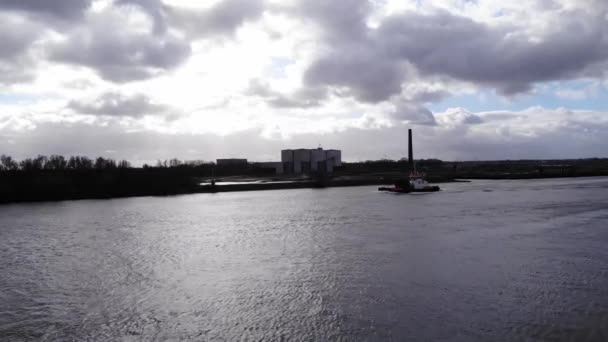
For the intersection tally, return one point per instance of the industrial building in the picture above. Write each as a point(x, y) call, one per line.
point(277, 166)
point(307, 161)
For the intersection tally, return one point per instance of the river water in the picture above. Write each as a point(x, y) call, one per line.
point(480, 261)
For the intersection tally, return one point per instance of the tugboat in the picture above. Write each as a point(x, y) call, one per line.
point(399, 187)
point(417, 180)
point(417, 183)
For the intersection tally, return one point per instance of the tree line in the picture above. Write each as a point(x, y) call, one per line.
point(58, 162)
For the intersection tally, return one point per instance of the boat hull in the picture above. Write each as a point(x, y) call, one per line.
point(427, 189)
point(407, 191)
point(396, 190)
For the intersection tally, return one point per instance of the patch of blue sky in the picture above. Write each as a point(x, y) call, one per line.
point(278, 65)
point(13, 98)
point(581, 95)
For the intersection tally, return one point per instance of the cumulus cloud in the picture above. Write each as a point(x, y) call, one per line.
point(153, 8)
point(340, 21)
point(16, 37)
point(118, 53)
point(362, 72)
point(458, 116)
point(220, 19)
point(412, 113)
point(359, 72)
point(60, 9)
point(544, 134)
point(117, 105)
point(369, 61)
point(502, 57)
point(302, 98)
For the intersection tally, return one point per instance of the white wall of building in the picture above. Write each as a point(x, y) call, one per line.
point(308, 160)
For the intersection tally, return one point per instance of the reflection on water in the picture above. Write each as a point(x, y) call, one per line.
point(248, 182)
point(481, 261)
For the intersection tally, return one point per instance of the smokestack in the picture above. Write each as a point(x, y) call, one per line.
point(410, 154)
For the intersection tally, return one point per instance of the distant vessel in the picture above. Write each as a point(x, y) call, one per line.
point(417, 180)
point(417, 183)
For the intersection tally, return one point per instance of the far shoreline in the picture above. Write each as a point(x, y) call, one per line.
point(265, 184)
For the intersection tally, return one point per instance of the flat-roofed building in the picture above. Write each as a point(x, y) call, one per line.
point(307, 161)
point(277, 166)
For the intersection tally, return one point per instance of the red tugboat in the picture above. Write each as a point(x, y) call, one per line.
point(417, 180)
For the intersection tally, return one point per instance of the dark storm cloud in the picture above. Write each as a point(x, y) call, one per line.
point(370, 61)
point(222, 18)
point(60, 9)
point(118, 105)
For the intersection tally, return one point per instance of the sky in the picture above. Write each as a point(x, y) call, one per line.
point(144, 80)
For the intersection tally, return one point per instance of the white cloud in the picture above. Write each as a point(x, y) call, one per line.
point(350, 73)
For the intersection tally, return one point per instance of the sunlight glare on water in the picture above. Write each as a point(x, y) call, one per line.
point(480, 261)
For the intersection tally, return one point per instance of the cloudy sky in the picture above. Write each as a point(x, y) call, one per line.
point(156, 79)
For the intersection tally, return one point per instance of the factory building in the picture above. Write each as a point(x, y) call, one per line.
point(277, 166)
point(307, 161)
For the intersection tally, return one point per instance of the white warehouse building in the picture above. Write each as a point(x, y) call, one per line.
point(310, 160)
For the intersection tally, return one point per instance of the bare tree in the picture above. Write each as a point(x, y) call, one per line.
point(174, 162)
point(32, 164)
point(7, 163)
point(80, 163)
point(104, 164)
point(123, 164)
point(56, 162)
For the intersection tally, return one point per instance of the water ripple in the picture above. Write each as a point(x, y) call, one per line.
point(525, 261)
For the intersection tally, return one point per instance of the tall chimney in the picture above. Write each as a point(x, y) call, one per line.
point(410, 155)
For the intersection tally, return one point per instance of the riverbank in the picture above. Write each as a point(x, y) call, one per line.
point(53, 183)
point(55, 186)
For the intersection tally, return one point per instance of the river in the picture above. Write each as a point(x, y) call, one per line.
point(479, 261)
